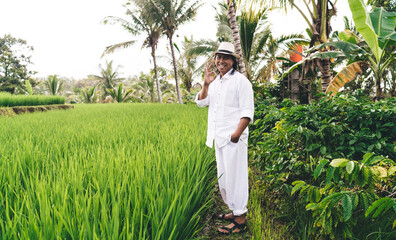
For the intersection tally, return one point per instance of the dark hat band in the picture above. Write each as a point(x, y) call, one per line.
point(225, 51)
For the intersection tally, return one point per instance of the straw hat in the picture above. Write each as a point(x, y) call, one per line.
point(227, 48)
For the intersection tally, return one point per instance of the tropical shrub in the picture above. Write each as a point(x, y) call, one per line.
point(293, 143)
point(349, 193)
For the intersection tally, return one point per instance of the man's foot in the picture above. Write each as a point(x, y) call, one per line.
point(226, 216)
point(238, 225)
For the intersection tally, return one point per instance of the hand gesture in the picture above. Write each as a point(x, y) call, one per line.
point(210, 74)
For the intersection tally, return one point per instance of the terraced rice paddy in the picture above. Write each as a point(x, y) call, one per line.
point(115, 171)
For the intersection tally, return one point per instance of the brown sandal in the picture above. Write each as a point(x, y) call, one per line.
point(241, 227)
point(223, 217)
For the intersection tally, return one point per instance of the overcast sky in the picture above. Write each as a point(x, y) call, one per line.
point(69, 38)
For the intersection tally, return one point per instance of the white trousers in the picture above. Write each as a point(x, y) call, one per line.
point(232, 171)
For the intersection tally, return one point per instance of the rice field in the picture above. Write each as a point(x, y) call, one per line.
point(9, 100)
point(110, 171)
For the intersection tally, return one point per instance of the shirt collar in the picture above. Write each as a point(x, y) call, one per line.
point(227, 75)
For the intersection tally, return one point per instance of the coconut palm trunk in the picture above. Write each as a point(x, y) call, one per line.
point(236, 36)
point(324, 30)
point(175, 70)
point(156, 74)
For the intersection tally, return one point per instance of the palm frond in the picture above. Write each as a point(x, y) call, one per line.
point(110, 49)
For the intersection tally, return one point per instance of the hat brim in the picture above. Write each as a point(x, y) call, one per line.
point(228, 53)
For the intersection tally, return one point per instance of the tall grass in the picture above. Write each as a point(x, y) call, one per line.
point(124, 171)
point(8, 100)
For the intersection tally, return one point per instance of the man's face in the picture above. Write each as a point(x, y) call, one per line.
point(223, 63)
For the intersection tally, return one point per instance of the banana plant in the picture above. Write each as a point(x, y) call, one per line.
point(378, 30)
point(346, 75)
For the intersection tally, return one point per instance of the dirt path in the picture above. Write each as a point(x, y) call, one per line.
point(212, 223)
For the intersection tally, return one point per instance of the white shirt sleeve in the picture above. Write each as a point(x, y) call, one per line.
point(203, 102)
point(246, 99)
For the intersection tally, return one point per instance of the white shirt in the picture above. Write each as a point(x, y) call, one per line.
point(230, 98)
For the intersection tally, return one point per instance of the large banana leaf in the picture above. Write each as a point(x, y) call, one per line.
point(364, 25)
point(349, 49)
point(346, 75)
point(384, 24)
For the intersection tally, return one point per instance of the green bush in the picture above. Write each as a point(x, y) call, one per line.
point(9, 100)
point(294, 143)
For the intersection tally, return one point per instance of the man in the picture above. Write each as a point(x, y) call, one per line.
point(229, 96)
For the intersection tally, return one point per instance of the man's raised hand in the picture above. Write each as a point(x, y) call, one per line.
point(210, 74)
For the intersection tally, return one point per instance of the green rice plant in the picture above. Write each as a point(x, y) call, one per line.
point(8, 100)
point(125, 171)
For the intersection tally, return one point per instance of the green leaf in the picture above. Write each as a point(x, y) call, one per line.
point(378, 134)
point(316, 55)
point(379, 146)
point(318, 195)
point(339, 162)
point(347, 207)
point(297, 187)
point(365, 27)
point(365, 201)
point(311, 206)
point(323, 150)
point(383, 208)
point(391, 171)
point(312, 147)
point(329, 174)
point(303, 189)
point(382, 171)
point(366, 175)
point(375, 160)
point(335, 196)
point(347, 37)
point(384, 24)
point(319, 168)
point(350, 166)
point(352, 141)
point(311, 194)
point(355, 201)
point(347, 48)
point(367, 157)
point(375, 205)
point(297, 182)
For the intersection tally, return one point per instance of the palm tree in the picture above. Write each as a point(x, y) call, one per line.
point(119, 94)
point(144, 87)
point(273, 52)
point(235, 34)
point(142, 22)
point(54, 84)
point(108, 77)
point(88, 94)
point(187, 64)
point(172, 14)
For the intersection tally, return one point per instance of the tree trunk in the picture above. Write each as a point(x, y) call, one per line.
point(175, 70)
point(378, 90)
point(156, 75)
point(322, 25)
point(235, 34)
point(326, 74)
